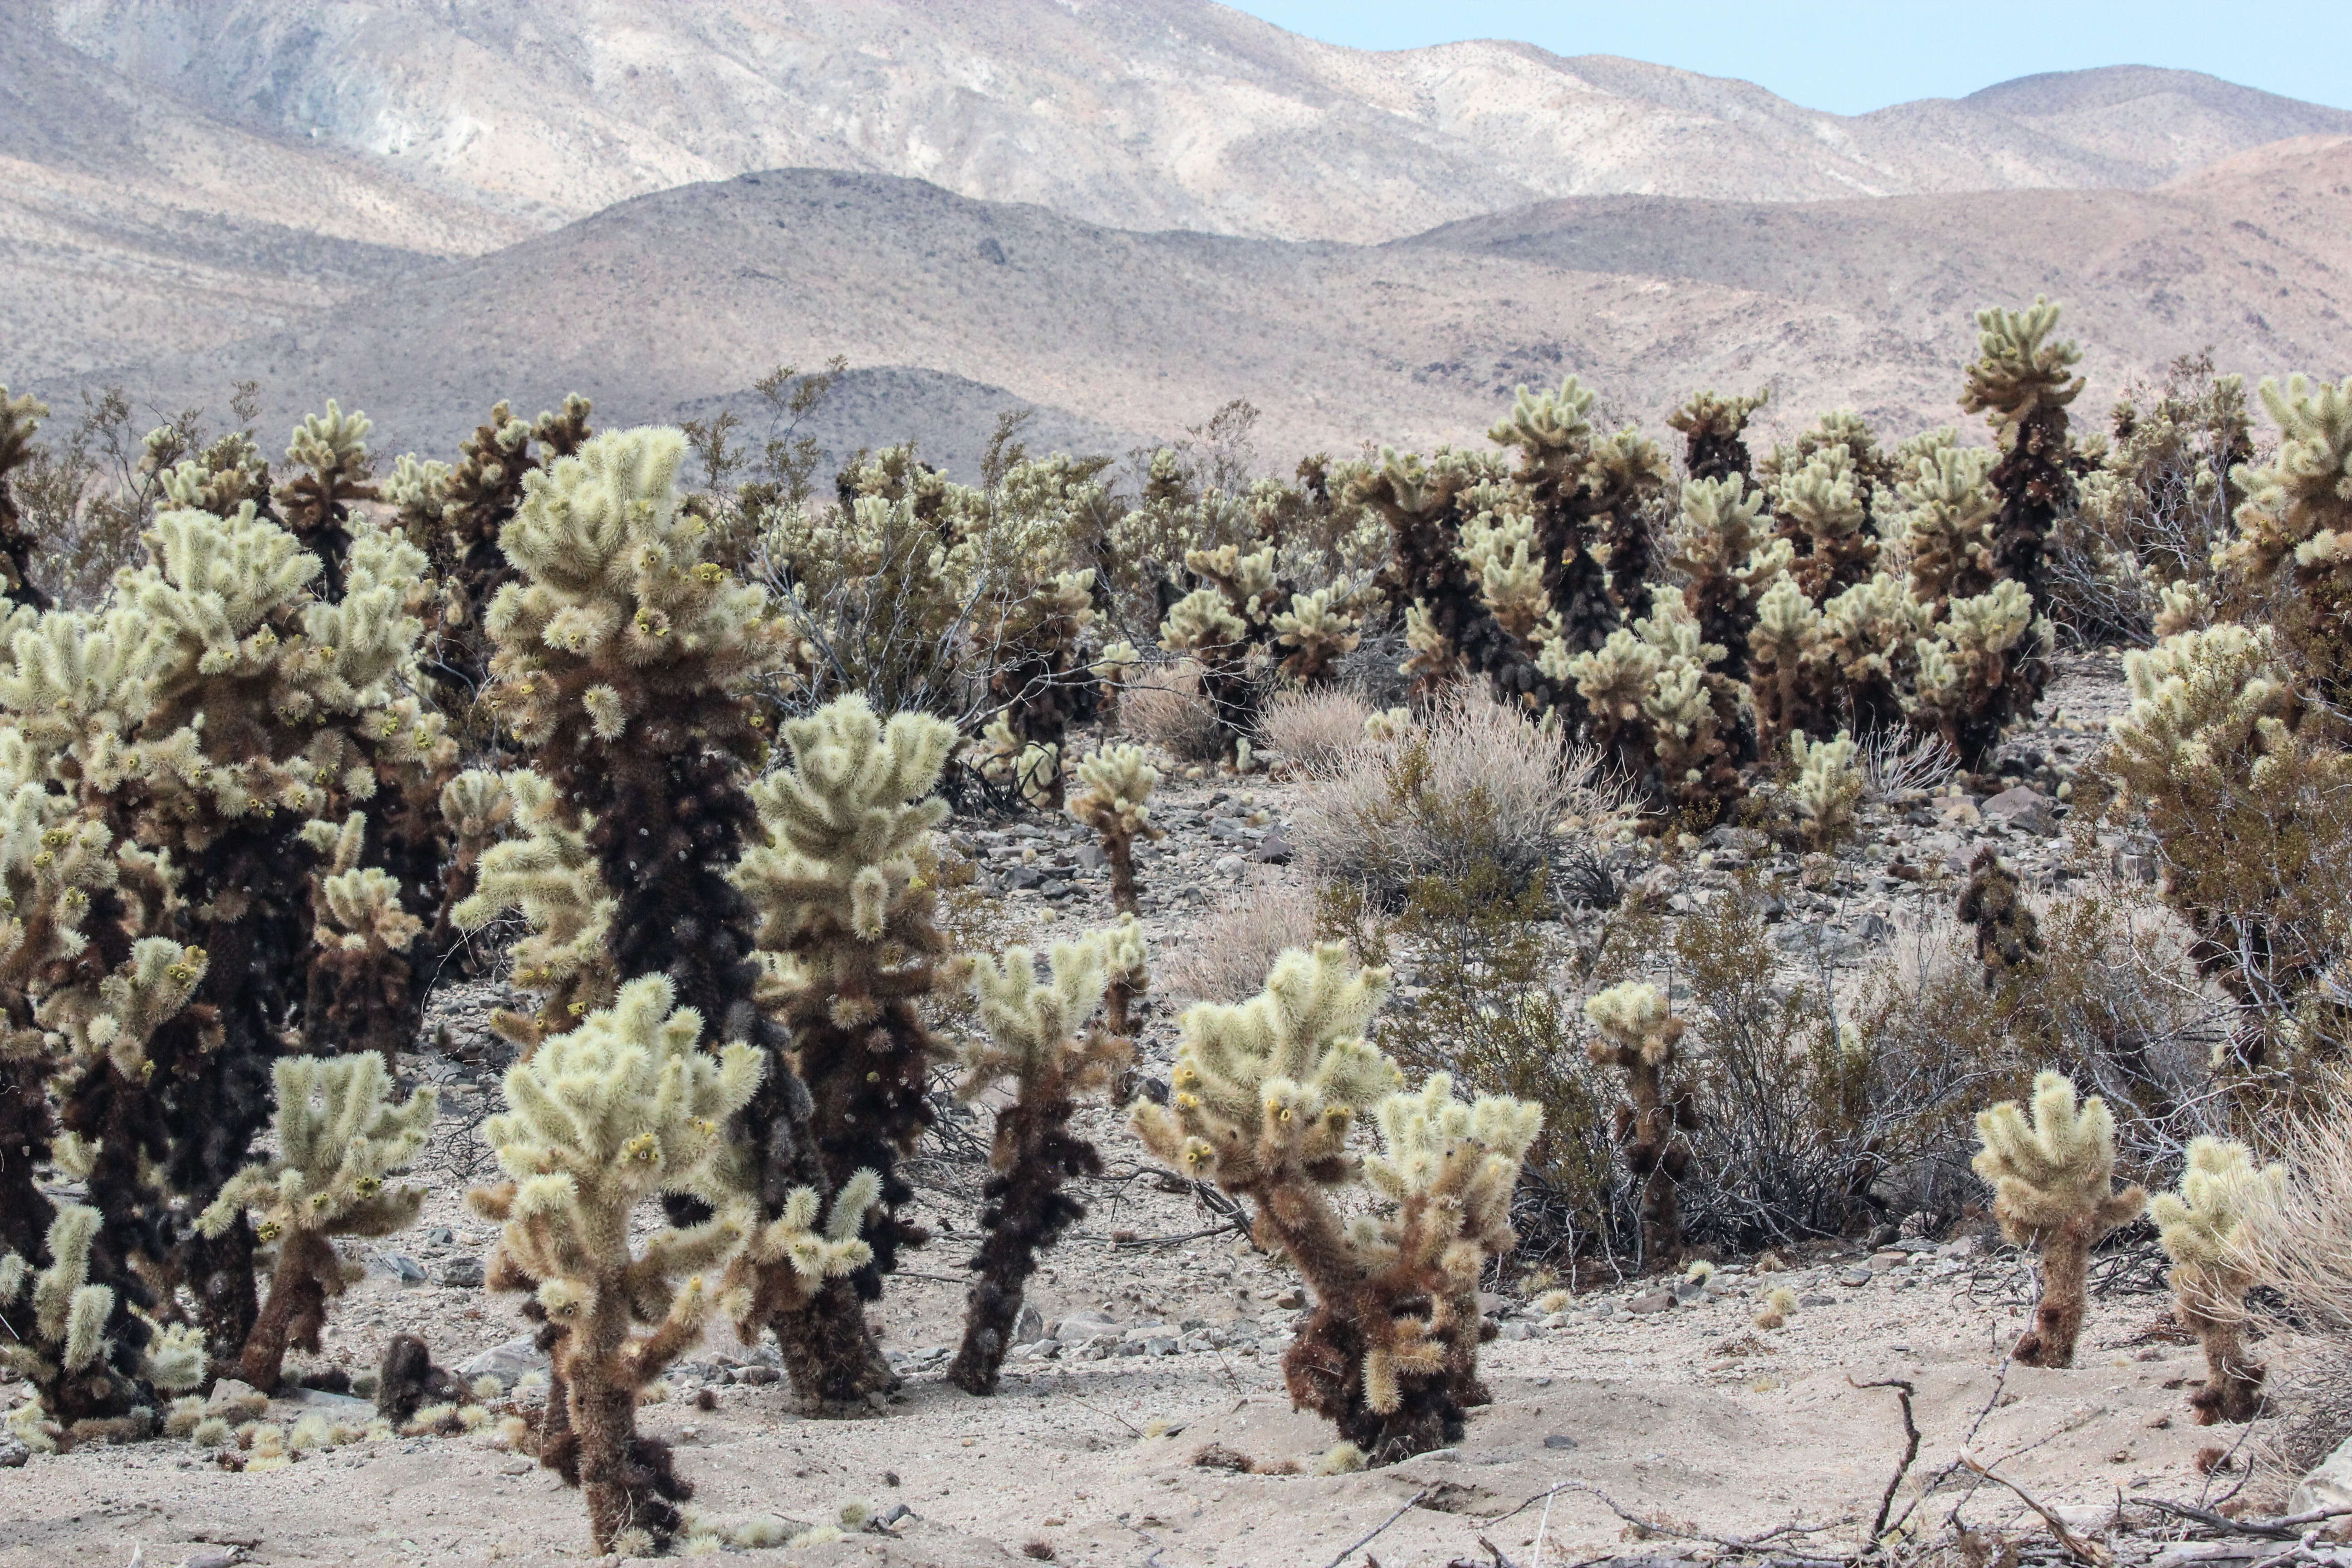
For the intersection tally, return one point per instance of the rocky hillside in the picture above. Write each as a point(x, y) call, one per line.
point(1130, 114)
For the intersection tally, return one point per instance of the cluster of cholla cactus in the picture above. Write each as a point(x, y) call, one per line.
point(2053, 1190)
point(1637, 1033)
point(2212, 1268)
point(1039, 1038)
point(1244, 625)
point(171, 758)
point(1265, 1100)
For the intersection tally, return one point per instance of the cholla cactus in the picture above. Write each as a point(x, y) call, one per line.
point(2298, 508)
point(1870, 635)
point(2009, 937)
point(1791, 666)
point(546, 873)
point(1947, 517)
point(317, 508)
point(842, 885)
point(1037, 1037)
point(1264, 1097)
point(2211, 1270)
point(213, 707)
point(1828, 787)
point(1316, 629)
point(1032, 645)
point(1591, 497)
point(1205, 626)
point(469, 511)
point(1638, 1035)
point(328, 1180)
point(1114, 785)
point(20, 418)
point(627, 1106)
point(359, 976)
point(1423, 503)
point(1656, 700)
point(1824, 511)
point(2054, 1189)
point(2019, 382)
point(1727, 562)
point(1983, 667)
point(1713, 425)
point(63, 1343)
point(1451, 1169)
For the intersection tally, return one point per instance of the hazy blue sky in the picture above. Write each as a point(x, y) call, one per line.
point(1849, 57)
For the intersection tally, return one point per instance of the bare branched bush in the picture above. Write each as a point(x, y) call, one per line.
point(1164, 707)
point(1898, 761)
point(1228, 955)
point(1472, 782)
point(1313, 729)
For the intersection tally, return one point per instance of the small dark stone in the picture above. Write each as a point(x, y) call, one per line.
point(1559, 1440)
point(1274, 849)
point(462, 1274)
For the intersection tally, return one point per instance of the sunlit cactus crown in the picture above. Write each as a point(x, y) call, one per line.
point(2221, 1188)
point(1432, 1142)
point(1031, 1024)
point(1279, 1079)
point(338, 1137)
point(1712, 412)
point(1824, 496)
point(847, 821)
point(619, 611)
point(626, 1105)
point(1114, 785)
point(1203, 621)
point(2300, 502)
point(1722, 528)
point(1635, 1025)
point(2019, 369)
point(2056, 1167)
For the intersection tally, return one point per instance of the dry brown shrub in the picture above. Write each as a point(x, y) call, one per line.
point(1229, 953)
point(2299, 1245)
point(1164, 708)
point(1313, 729)
point(1471, 784)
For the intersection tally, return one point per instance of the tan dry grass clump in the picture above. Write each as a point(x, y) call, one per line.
point(1164, 707)
point(1314, 730)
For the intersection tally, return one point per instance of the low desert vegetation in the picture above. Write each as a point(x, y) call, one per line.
point(282, 741)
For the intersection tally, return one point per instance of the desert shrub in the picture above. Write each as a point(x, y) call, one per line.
point(1162, 706)
point(2156, 507)
point(1313, 729)
point(1228, 954)
point(1472, 782)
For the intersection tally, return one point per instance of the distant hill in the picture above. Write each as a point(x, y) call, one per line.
point(671, 300)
